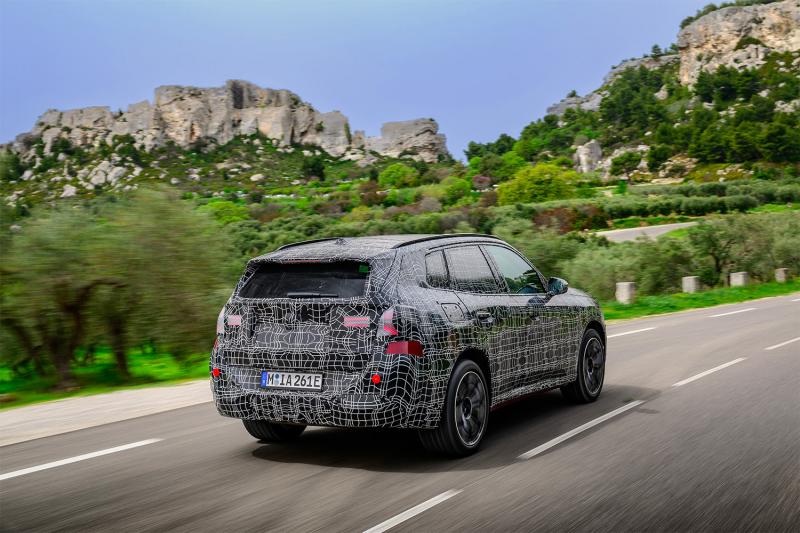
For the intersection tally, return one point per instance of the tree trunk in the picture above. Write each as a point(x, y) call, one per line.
point(62, 358)
point(116, 329)
point(32, 349)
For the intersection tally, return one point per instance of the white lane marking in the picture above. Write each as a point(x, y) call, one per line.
point(414, 511)
point(796, 300)
point(569, 434)
point(92, 455)
point(734, 312)
point(630, 332)
point(707, 372)
point(782, 344)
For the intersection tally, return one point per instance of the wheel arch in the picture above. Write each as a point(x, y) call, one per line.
point(598, 327)
point(480, 358)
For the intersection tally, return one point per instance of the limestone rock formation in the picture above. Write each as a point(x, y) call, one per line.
point(739, 37)
point(587, 156)
point(415, 138)
point(648, 62)
point(591, 102)
point(189, 115)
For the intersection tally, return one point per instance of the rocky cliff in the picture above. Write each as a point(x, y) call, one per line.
point(190, 115)
point(738, 37)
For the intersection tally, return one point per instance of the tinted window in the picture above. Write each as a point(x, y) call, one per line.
point(343, 279)
point(436, 270)
point(519, 275)
point(469, 270)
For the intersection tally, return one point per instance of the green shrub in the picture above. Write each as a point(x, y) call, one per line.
point(542, 182)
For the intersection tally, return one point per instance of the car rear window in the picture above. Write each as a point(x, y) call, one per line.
point(436, 271)
point(342, 279)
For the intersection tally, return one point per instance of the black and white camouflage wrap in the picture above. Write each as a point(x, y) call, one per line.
point(528, 342)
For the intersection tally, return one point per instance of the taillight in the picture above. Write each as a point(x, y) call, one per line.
point(387, 323)
point(404, 348)
point(221, 322)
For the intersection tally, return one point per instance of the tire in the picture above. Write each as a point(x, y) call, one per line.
point(465, 414)
point(272, 432)
point(591, 370)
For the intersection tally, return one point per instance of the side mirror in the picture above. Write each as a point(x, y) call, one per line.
point(557, 286)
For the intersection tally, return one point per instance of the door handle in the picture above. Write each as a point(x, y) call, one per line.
point(484, 317)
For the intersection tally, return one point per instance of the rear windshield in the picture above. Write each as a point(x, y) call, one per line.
point(343, 279)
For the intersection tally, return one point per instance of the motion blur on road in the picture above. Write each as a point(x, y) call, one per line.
point(713, 445)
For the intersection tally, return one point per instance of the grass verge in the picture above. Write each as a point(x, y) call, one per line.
point(101, 376)
point(654, 305)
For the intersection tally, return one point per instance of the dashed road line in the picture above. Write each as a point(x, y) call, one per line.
point(580, 429)
point(414, 511)
point(734, 312)
point(630, 332)
point(774, 346)
point(707, 372)
point(796, 300)
point(69, 460)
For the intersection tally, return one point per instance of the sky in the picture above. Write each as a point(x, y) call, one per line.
point(479, 67)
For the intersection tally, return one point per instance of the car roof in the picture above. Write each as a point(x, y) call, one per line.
point(363, 247)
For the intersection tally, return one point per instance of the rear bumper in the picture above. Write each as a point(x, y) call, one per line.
point(346, 399)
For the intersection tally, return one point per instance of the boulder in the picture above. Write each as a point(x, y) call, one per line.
point(587, 156)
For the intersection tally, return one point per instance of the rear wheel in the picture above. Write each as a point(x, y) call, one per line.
point(465, 414)
point(272, 432)
point(591, 370)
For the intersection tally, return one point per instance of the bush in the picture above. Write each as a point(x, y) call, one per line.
point(542, 182)
point(398, 175)
point(625, 163)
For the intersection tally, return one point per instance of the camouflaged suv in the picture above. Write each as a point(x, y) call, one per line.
point(429, 332)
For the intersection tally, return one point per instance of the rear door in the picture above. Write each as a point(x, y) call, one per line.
point(487, 311)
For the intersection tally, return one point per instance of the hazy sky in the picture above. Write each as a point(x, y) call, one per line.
point(479, 67)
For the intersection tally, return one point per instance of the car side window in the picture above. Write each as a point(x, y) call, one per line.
point(519, 275)
point(470, 271)
point(436, 271)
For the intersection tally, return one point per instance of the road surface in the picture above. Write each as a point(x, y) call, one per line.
point(713, 445)
point(630, 234)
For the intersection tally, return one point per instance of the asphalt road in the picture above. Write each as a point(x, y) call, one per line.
point(630, 234)
point(704, 450)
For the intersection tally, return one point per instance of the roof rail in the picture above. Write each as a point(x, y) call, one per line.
point(447, 236)
point(301, 243)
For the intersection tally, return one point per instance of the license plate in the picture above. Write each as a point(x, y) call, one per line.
point(290, 380)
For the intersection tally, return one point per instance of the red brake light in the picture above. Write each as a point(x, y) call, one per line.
point(387, 322)
point(376, 378)
point(405, 348)
point(216, 372)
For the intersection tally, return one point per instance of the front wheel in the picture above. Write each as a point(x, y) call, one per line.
point(591, 370)
point(271, 431)
point(465, 414)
